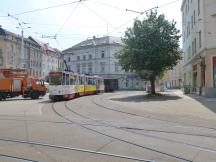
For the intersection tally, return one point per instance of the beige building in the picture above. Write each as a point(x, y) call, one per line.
point(39, 58)
point(172, 79)
point(199, 45)
point(9, 49)
point(51, 58)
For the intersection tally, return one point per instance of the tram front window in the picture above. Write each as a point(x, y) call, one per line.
point(55, 79)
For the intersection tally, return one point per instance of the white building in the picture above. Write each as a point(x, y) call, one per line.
point(96, 57)
point(199, 45)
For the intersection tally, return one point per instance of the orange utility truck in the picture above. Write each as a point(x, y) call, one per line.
point(15, 82)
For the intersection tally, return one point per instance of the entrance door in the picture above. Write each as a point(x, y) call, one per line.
point(214, 72)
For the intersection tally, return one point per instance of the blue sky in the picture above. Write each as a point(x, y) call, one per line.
point(76, 22)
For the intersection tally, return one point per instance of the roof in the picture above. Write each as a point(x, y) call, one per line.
point(44, 46)
point(17, 36)
point(96, 42)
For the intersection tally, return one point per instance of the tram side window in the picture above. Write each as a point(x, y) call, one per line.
point(77, 79)
point(89, 80)
point(81, 80)
point(85, 80)
point(67, 79)
point(95, 81)
point(72, 80)
point(63, 79)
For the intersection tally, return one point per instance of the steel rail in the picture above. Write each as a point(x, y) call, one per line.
point(143, 134)
point(116, 138)
point(153, 118)
point(17, 158)
point(74, 149)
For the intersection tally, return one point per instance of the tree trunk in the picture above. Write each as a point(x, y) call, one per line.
point(152, 80)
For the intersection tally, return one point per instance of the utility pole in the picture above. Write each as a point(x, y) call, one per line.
point(22, 56)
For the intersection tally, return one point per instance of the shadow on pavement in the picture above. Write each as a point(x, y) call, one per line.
point(19, 99)
point(45, 101)
point(145, 98)
point(209, 103)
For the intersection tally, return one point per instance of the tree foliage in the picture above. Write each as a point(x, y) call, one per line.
point(150, 47)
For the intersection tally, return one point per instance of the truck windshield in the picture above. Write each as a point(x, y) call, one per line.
point(55, 79)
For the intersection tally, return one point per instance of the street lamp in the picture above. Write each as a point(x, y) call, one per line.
point(21, 60)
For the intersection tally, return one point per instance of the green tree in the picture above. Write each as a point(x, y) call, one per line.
point(150, 47)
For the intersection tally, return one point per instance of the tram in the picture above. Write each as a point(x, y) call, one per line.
point(65, 85)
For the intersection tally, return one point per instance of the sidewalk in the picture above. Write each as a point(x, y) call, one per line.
point(173, 102)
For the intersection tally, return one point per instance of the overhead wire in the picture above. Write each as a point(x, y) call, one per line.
point(67, 19)
point(97, 15)
point(41, 9)
point(108, 5)
point(140, 13)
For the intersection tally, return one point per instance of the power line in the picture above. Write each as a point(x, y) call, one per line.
point(108, 5)
point(67, 19)
point(168, 4)
point(98, 15)
point(41, 9)
point(57, 25)
point(140, 13)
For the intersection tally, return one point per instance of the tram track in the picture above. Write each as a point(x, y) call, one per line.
point(143, 134)
point(16, 158)
point(34, 143)
point(116, 138)
point(131, 128)
point(150, 117)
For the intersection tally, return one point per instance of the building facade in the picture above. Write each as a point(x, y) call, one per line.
point(96, 57)
point(199, 45)
point(172, 79)
point(51, 58)
point(10, 53)
point(39, 58)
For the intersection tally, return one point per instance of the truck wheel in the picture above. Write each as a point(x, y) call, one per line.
point(34, 95)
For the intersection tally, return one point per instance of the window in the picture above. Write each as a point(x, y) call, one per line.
point(1, 58)
point(102, 67)
point(69, 59)
point(78, 58)
point(11, 55)
point(102, 54)
point(78, 68)
point(198, 7)
point(90, 57)
point(116, 67)
point(200, 39)
point(83, 68)
point(195, 48)
point(90, 68)
point(188, 5)
point(192, 22)
point(84, 57)
point(72, 79)
point(194, 18)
